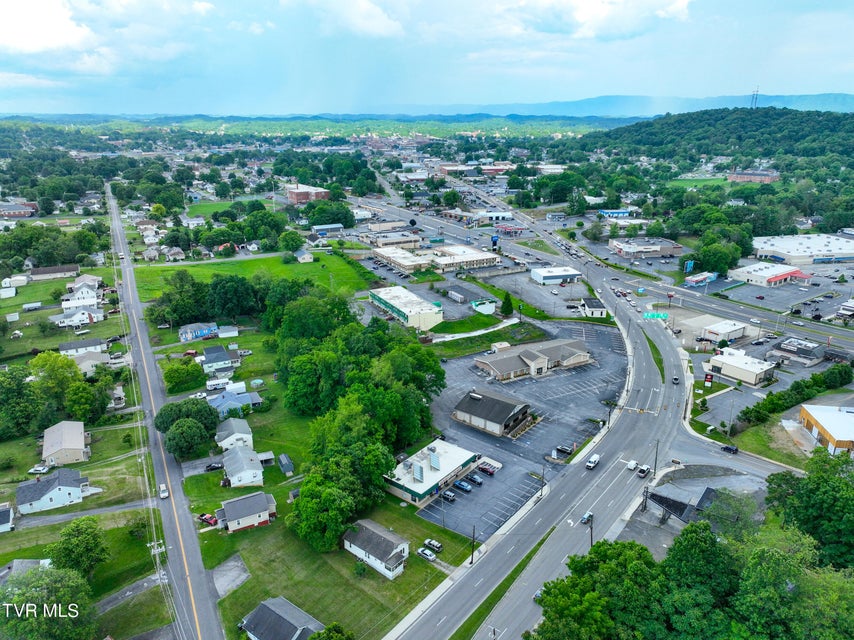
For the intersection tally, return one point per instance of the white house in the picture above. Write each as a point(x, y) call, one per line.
point(378, 547)
point(58, 489)
point(191, 222)
point(234, 432)
point(303, 256)
point(84, 296)
point(7, 519)
point(243, 468)
point(78, 317)
point(84, 280)
point(87, 362)
point(252, 510)
point(96, 345)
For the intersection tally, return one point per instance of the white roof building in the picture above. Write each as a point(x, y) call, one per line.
point(831, 426)
point(419, 477)
point(555, 275)
point(737, 365)
point(724, 330)
point(768, 274)
point(407, 307)
point(817, 248)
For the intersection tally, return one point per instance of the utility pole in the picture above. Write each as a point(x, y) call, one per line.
point(542, 480)
point(591, 533)
point(655, 464)
point(471, 562)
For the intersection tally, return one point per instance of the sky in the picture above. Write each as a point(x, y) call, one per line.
point(282, 57)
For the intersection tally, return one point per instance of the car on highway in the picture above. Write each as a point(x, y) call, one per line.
point(587, 517)
point(675, 379)
point(592, 461)
point(433, 545)
point(214, 466)
point(797, 323)
point(643, 470)
point(633, 464)
point(200, 395)
point(462, 485)
point(208, 519)
point(428, 555)
point(730, 448)
point(755, 321)
point(598, 290)
point(538, 594)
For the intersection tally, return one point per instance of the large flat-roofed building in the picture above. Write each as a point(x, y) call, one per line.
point(459, 256)
point(737, 365)
point(434, 468)
point(831, 426)
point(537, 359)
point(302, 193)
point(820, 248)
point(724, 330)
point(803, 351)
point(493, 413)
point(402, 239)
point(760, 176)
point(407, 307)
point(401, 259)
point(555, 275)
point(767, 274)
point(645, 248)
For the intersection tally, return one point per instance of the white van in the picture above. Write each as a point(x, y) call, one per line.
point(164, 492)
point(592, 461)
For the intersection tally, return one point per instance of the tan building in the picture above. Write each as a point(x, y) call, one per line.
point(509, 363)
point(737, 365)
point(66, 443)
point(832, 427)
point(402, 239)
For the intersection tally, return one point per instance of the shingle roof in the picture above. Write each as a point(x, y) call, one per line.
point(374, 539)
point(232, 426)
point(67, 434)
point(245, 506)
point(491, 407)
point(5, 515)
point(240, 459)
point(279, 619)
point(80, 344)
point(33, 490)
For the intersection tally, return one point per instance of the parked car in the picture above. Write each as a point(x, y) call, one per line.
point(208, 519)
point(473, 477)
point(428, 555)
point(587, 517)
point(191, 353)
point(462, 485)
point(643, 471)
point(538, 594)
point(760, 297)
point(214, 466)
point(163, 326)
point(39, 468)
point(554, 292)
point(487, 468)
point(433, 545)
point(200, 395)
point(730, 448)
point(449, 495)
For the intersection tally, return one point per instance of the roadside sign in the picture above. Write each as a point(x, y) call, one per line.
point(659, 316)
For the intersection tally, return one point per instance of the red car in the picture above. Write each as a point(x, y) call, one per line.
point(208, 519)
point(488, 469)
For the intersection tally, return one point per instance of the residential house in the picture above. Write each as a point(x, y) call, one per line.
point(175, 254)
point(378, 547)
point(234, 432)
point(66, 442)
point(228, 400)
point(252, 510)
point(196, 330)
point(253, 246)
point(243, 468)
point(146, 225)
point(87, 362)
point(279, 619)
point(493, 413)
point(96, 345)
point(54, 273)
point(217, 359)
point(78, 317)
point(7, 518)
point(54, 490)
point(84, 296)
point(151, 254)
point(84, 280)
point(303, 256)
point(191, 222)
point(229, 331)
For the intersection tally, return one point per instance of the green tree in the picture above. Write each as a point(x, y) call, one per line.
point(19, 402)
point(55, 374)
point(507, 305)
point(321, 512)
point(767, 590)
point(594, 231)
point(231, 296)
point(80, 400)
point(614, 230)
point(655, 229)
point(451, 198)
point(184, 436)
point(697, 560)
point(334, 632)
point(48, 589)
point(194, 408)
point(182, 375)
point(81, 546)
point(222, 190)
point(290, 241)
point(733, 515)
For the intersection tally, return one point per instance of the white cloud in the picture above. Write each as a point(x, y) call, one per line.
point(18, 80)
point(202, 7)
point(362, 17)
point(40, 25)
point(255, 28)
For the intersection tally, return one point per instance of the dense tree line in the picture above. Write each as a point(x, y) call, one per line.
point(50, 245)
point(339, 170)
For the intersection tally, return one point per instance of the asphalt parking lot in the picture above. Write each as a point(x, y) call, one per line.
point(569, 401)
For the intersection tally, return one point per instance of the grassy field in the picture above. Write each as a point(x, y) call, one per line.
point(472, 323)
point(329, 272)
point(205, 209)
point(514, 334)
point(140, 613)
point(688, 183)
point(419, 277)
point(321, 584)
point(539, 245)
point(528, 310)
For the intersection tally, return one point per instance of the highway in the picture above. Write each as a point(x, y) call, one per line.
point(193, 597)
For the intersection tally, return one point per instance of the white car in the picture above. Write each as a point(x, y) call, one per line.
point(633, 464)
point(797, 323)
point(598, 290)
point(755, 321)
point(428, 555)
point(201, 395)
point(554, 292)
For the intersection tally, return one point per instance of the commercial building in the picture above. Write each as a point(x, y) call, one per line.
point(725, 330)
point(820, 248)
point(327, 229)
point(537, 359)
point(401, 259)
point(407, 307)
point(434, 468)
point(846, 310)
point(401, 239)
point(614, 213)
point(378, 547)
point(555, 275)
point(804, 351)
point(455, 257)
point(640, 248)
point(767, 274)
point(737, 365)
point(494, 413)
point(831, 426)
point(700, 279)
point(302, 193)
point(759, 176)
point(593, 308)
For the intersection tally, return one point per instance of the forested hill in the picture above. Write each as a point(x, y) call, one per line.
point(767, 132)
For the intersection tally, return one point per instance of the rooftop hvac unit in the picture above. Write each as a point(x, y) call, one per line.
point(407, 465)
point(432, 448)
point(475, 396)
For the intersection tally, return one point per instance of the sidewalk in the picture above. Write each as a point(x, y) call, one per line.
point(479, 332)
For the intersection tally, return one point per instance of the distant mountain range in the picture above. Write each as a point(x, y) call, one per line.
point(638, 106)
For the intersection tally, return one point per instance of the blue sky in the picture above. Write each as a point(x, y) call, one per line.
point(278, 57)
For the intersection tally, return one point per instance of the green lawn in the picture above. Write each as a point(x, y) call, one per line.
point(528, 310)
point(140, 613)
point(419, 277)
point(514, 334)
point(695, 182)
point(328, 271)
point(760, 440)
point(321, 583)
point(472, 323)
point(539, 245)
point(656, 356)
